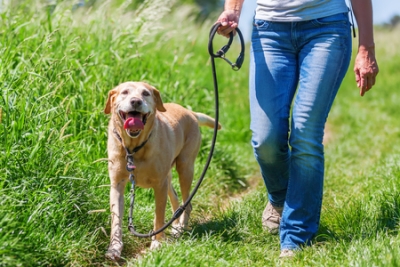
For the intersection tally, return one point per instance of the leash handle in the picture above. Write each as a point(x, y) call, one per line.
point(221, 52)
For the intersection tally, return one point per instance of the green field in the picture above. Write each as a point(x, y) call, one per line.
point(55, 73)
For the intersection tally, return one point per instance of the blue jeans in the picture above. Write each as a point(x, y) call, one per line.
point(296, 69)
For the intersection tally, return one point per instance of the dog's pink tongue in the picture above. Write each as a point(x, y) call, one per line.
point(133, 124)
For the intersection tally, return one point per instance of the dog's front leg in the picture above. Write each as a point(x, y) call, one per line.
point(117, 213)
point(160, 194)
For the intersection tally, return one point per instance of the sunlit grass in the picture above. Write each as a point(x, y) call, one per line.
point(55, 72)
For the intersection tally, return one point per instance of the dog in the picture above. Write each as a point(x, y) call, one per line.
point(162, 136)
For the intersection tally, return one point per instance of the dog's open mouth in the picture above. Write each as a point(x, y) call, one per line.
point(133, 122)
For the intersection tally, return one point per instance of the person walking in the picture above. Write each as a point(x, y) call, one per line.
point(300, 53)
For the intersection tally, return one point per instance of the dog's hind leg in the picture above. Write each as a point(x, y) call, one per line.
point(173, 197)
point(161, 195)
point(185, 169)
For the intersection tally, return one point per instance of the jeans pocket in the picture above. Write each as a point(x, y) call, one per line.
point(261, 24)
point(341, 18)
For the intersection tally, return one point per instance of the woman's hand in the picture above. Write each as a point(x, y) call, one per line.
point(365, 68)
point(229, 20)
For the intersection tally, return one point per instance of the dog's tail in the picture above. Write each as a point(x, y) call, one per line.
point(205, 120)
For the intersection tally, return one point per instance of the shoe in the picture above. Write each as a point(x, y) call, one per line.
point(271, 218)
point(286, 253)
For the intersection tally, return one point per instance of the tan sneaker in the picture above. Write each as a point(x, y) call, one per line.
point(271, 218)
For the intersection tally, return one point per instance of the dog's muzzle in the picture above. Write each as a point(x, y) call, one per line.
point(133, 122)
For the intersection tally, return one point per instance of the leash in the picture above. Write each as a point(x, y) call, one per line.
point(130, 165)
point(221, 53)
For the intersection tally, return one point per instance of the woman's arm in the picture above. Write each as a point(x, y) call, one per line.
point(365, 67)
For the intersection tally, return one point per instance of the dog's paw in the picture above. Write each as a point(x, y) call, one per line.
point(155, 244)
point(178, 230)
point(114, 251)
point(113, 254)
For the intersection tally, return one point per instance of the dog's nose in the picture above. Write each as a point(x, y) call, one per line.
point(136, 102)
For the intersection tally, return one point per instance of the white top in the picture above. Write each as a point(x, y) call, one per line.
point(298, 10)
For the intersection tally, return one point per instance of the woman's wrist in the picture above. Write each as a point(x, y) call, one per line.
point(234, 6)
point(366, 46)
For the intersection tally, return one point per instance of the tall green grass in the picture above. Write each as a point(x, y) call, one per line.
point(55, 72)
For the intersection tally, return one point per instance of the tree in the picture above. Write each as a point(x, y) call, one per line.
point(394, 21)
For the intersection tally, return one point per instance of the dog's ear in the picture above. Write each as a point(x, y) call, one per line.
point(157, 97)
point(110, 100)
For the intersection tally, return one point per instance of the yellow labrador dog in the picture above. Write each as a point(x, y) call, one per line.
point(162, 136)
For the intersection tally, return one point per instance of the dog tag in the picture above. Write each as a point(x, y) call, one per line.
point(130, 167)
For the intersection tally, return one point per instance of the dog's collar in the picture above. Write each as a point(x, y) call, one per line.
point(130, 166)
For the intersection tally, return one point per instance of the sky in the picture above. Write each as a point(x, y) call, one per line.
point(383, 11)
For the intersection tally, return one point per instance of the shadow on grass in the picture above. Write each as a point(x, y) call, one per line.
point(226, 228)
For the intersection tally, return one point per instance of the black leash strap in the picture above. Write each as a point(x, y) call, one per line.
point(235, 66)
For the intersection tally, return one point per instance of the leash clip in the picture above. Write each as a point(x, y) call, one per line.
point(130, 165)
point(223, 51)
point(235, 66)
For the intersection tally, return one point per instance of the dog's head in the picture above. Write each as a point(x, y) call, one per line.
point(133, 103)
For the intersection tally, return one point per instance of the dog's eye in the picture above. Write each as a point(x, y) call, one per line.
point(145, 93)
point(125, 92)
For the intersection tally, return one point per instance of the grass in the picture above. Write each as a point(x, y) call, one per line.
point(55, 72)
